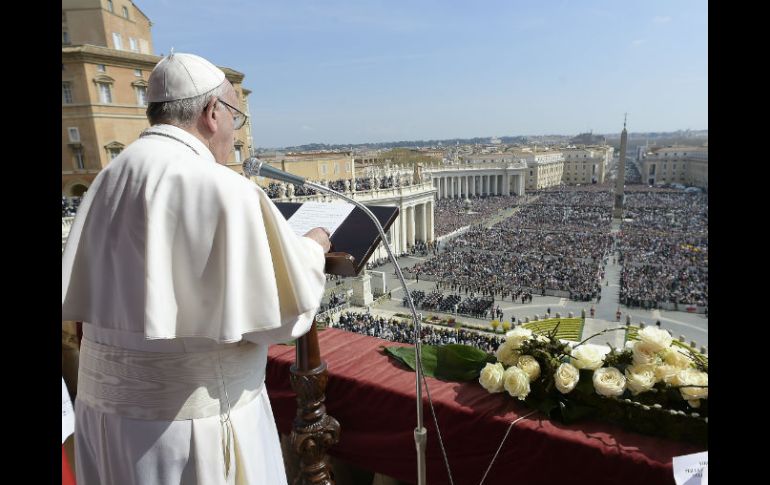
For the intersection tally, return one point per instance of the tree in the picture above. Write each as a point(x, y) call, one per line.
point(494, 325)
point(506, 326)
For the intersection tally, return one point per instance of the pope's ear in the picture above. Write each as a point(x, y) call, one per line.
point(210, 115)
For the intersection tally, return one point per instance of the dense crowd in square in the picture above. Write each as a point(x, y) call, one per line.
point(396, 330)
point(452, 214)
point(558, 240)
point(664, 248)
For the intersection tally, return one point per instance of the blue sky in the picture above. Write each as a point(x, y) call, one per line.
point(356, 71)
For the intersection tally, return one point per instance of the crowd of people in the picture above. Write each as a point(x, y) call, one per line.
point(563, 218)
point(504, 237)
point(573, 196)
point(335, 300)
point(278, 190)
point(69, 206)
point(402, 331)
point(452, 214)
point(473, 305)
point(664, 248)
point(558, 241)
point(488, 273)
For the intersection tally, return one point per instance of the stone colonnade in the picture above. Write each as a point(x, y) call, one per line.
point(464, 184)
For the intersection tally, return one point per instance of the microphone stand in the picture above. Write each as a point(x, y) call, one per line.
point(255, 167)
point(420, 433)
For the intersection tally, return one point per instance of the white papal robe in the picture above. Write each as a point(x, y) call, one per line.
point(183, 272)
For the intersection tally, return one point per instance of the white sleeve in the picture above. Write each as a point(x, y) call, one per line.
point(311, 259)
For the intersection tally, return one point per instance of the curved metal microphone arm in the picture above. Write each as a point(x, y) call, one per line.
point(420, 433)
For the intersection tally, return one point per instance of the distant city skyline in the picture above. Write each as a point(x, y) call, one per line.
point(352, 72)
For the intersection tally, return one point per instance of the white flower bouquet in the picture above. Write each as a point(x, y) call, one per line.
point(653, 386)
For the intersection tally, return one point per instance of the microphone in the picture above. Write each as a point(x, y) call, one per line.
point(253, 167)
point(256, 167)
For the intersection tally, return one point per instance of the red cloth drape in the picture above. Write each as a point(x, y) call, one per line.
point(67, 477)
point(374, 401)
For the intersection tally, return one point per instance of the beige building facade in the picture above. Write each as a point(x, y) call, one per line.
point(544, 168)
point(106, 61)
point(676, 165)
point(586, 165)
point(312, 166)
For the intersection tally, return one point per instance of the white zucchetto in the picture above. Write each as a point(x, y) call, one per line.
point(181, 76)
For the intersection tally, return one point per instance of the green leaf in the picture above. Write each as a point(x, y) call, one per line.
point(586, 383)
point(451, 362)
point(457, 362)
point(573, 411)
point(406, 356)
point(546, 404)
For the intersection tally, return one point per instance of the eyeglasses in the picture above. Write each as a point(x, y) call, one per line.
point(239, 117)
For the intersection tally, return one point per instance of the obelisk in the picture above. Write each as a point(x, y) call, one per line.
point(620, 178)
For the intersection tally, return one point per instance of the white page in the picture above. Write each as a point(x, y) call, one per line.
point(319, 214)
point(688, 469)
point(67, 413)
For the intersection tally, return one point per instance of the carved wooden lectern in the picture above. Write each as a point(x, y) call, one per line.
point(314, 431)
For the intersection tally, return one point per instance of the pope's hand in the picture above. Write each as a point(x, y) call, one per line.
point(321, 236)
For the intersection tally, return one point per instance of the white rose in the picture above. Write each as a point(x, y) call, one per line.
point(692, 377)
point(608, 381)
point(529, 364)
point(694, 403)
point(542, 338)
point(656, 337)
point(507, 353)
point(517, 336)
point(516, 382)
point(645, 353)
point(666, 372)
point(491, 377)
point(588, 356)
point(679, 358)
point(566, 378)
point(640, 378)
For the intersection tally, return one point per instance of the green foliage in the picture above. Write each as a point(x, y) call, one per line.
point(406, 356)
point(453, 362)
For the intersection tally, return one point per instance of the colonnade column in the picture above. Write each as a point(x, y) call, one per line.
point(410, 226)
point(402, 228)
point(429, 211)
point(422, 220)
